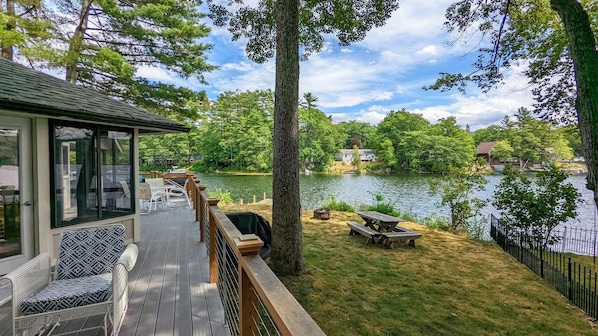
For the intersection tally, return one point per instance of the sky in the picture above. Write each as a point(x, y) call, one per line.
point(384, 72)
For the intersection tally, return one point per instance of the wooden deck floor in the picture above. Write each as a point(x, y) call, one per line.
point(169, 289)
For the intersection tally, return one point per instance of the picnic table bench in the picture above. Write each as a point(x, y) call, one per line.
point(388, 238)
point(363, 230)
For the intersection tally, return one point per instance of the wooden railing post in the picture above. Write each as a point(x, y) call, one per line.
point(248, 245)
point(200, 212)
point(213, 202)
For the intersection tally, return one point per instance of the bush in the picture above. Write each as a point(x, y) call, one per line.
point(224, 197)
point(338, 205)
point(477, 228)
point(437, 222)
point(381, 206)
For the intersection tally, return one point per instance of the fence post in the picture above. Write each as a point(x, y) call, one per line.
point(564, 240)
point(202, 209)
point(248, 245)
point(213, 253)
point(542, 261)
point(570, 281)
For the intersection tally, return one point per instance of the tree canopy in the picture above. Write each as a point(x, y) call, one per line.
point(558, 39)
point(101, 44)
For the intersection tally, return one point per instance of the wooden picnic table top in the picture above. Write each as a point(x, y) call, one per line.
point(379, 217)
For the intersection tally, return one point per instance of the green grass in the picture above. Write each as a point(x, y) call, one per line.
point(448, 285)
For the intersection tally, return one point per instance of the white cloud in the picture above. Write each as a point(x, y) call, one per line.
point(428, 50)
point(481, 110)
point(154, 74)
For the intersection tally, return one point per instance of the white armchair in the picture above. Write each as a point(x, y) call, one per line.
point(91, 279)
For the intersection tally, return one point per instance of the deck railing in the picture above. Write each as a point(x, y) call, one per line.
point(255, 301)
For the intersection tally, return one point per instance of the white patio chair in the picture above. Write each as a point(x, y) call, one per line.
point(179, 190)
point(91, 279)
point(149, 198)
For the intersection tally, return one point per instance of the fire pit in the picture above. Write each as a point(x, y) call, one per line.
point(322, 213)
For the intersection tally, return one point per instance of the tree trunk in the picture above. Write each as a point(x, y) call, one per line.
point(7, 50)
point(287, 244)
point(76, 43)
point(582, 47)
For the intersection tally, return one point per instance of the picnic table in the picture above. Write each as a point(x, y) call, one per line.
point(379, 221)
point(386, 225)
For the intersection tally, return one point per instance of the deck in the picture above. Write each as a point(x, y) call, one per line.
point(169, 289)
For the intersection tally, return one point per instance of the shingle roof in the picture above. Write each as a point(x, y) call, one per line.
point(485, 147)
point(26, 90)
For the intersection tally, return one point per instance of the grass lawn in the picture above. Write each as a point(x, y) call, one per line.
point(448, 285)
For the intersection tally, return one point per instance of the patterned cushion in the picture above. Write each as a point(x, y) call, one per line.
point(89, 251)
point(69, 293)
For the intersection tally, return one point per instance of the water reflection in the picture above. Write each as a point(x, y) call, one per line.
point(409, 193)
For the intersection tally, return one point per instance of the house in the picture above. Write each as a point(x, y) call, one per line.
point(67, 156)
point(346, 155)
point(484, 149)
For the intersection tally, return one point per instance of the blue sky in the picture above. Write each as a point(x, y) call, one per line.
point(384, 72)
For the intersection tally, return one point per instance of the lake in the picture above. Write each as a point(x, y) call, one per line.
point(409, 192)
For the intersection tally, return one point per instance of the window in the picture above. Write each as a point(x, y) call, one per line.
point(92, 173)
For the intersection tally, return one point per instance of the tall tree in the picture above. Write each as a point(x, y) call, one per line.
point(101, 44)
point(277, 28)
point(23, 26)
point(563, 55)
point(357, 133)
point(316, 139)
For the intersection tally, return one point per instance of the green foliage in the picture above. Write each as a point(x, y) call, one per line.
point(456, 189)
point(530, 140)
point(356, 159)
point(418, 146)
point(338, 205)
point(102, 45)
point(477, 227)
point(528, 29)
point(353, 133)
point(224, 197)
point(381, 206)
point(316, 138)
point(437, 222)
point(536, 209)
point(386, 154)
point(238, 133)
point(571, 134)
point(502, 150)
point(168, 149)
point(349, 21)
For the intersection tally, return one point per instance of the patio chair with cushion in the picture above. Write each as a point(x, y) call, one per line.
point(150, 199)
point(91, 279)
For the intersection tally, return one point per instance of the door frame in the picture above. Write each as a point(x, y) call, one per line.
point(25, 192)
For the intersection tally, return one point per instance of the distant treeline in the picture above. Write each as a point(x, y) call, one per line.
point(234, 132)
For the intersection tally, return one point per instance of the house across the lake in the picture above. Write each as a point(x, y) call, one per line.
point(68, 158)
point(346, 155)
point(484, 150)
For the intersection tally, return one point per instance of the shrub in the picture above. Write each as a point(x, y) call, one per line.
point(225, 197)
point(437, 222)
point(381, 206)
point(477, 228)
point(338, 205)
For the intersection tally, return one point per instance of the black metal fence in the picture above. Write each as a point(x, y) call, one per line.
point(575, 240)
point(578, 283)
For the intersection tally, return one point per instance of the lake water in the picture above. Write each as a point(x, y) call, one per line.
point(409, 193)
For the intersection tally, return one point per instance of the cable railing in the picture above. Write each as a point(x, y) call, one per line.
point(255, 301)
